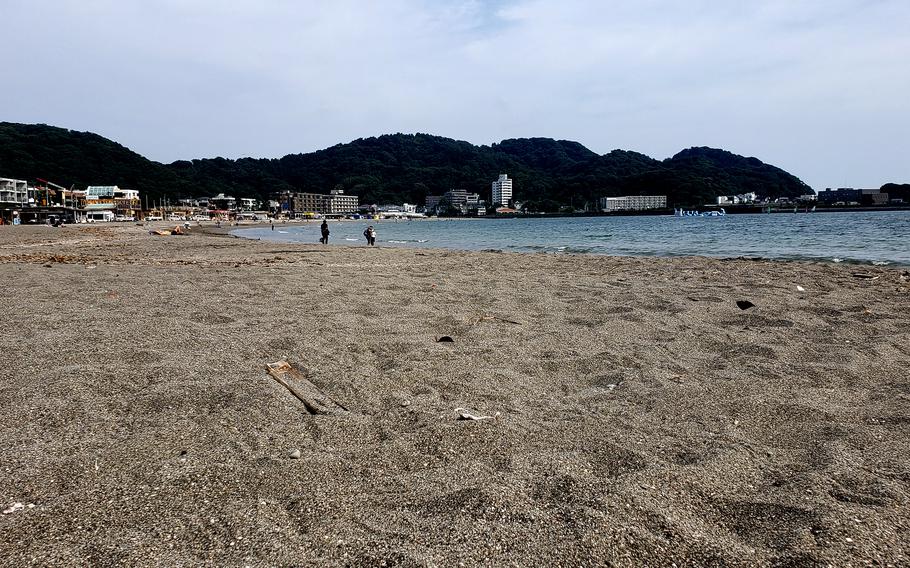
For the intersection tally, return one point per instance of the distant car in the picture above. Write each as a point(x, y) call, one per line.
point(154, 218)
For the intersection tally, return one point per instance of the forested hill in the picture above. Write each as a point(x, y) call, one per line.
point(397, 168)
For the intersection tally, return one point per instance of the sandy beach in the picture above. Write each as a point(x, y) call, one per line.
point(633, 414)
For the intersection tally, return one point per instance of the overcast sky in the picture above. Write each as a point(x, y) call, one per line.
point(818, 87)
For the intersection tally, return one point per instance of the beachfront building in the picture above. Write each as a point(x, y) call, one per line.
point(851, 196)
point(222, 202)
point(633, 203)
point(13, 196)
point(432, 202)
point(13, 191)
point(105, 202)
point(335, 204)
point(502, 190)
point(740, 199)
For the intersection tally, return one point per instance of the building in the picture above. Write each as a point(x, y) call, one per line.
point(335, 203)
point(222, 202)
point(248, 204)
point(123, 203)
point(851, 196)
point(457, 198)
point(740, 199)
point(13, 196)
point(13, 191)
point(432, 202)
point(633, 203)
point(502, 190)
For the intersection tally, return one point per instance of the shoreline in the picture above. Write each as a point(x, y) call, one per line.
point(566, 249)
point(634, 414)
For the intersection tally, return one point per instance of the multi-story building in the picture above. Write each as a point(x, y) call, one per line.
point(13, 191)
point(13, 196)
point(502, 190)
point(633, 203)
point(120, 202)
point(222, 202)
point(432, 202)
point(335, 203)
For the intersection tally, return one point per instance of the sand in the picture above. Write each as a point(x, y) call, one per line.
point(639, 417)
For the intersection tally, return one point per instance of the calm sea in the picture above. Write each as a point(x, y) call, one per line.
point(856, 237)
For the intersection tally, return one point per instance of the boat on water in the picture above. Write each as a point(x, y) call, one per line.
point(714, 213)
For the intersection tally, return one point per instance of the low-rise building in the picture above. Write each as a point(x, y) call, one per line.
point(119, 202)
point(223, 202)
point(633, 203)
point(852, 196)
point(740, 199)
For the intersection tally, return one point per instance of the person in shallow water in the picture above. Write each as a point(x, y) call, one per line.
point(325, 232)
point(370, 234)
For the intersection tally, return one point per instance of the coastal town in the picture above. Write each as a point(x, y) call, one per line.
point(45, 202)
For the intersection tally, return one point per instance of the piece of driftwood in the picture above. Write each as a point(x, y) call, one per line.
point(476, 320)
point(465, 414)
point(865, 276)
point(314, 400)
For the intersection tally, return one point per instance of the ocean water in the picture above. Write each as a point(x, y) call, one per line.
point(855, 237)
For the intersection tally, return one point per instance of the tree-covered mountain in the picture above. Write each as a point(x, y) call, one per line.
point(394, 168)
point(897, 191)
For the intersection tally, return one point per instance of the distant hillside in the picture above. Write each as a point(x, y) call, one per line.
point(398, 167)
point(897, 191)
point(67, 157)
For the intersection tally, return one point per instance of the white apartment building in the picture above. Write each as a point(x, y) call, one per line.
point(502, 190)
point(13, 191)
point(337, 203)
point(633, 203)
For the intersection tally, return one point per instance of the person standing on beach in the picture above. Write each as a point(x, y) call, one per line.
point(370, 234)
point(325, 232)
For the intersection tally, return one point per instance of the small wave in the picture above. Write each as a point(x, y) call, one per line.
point(837, 259)
point(352, 240)
point(398, 242)
point(527, 247)
point(423, 240)
point(283, 232)
point(880, 262)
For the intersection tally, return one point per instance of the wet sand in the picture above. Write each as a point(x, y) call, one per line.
point(638, 416)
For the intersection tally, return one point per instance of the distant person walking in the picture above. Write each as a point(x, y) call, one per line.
point(272, 223)
point(370, 234)
point(325, 232)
